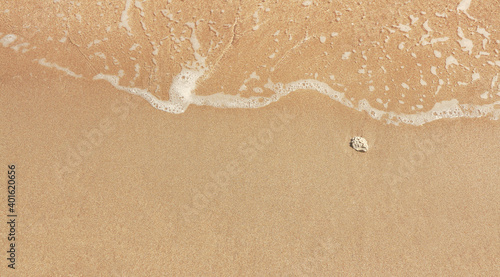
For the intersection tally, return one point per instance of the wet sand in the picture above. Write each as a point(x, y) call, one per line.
point(275, 191)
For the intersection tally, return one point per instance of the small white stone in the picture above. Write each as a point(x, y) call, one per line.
point(359, 144)
point(307, 3)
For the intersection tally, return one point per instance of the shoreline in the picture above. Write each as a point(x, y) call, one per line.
point(109, 184)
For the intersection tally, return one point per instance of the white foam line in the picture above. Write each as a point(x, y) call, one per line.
point(444, 109)
point(180, 95)
point(58, 67)
point(175, 104)
point(184, 84)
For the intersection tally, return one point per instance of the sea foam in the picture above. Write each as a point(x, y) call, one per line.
point(182, 94)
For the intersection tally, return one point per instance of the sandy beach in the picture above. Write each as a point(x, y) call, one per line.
point(164, 194)
point(107, 185)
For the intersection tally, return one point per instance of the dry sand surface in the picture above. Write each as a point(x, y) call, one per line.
point(107, 185)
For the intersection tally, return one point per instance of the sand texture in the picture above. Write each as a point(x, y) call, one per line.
point(213, 138)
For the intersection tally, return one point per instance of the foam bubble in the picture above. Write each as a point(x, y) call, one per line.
point(8, 39)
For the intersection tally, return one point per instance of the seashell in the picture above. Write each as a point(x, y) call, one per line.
point(359, 144)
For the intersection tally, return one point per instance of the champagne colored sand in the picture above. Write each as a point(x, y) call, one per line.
point(422, 201)
point(109, 186)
